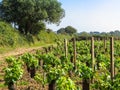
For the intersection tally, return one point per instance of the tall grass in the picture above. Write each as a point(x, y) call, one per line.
point(10, 38)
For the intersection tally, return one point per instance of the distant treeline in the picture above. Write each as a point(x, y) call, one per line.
point(98, 35)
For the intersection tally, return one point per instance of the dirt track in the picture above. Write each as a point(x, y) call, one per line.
point(21, 51)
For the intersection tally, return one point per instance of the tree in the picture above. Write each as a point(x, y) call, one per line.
point(37, 27)
point(84, 34)
point(61, 31)
point(26, 13)
point(49, 30)
point(70, 30)
point(67, 30)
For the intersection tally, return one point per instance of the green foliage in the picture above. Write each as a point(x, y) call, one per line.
point(61, 31)
point(66, 64)
point(2, 85)
point(102, 78)
point(67, 30)
point(30, 60)
point(52, 67)
point(30, 12)
point(50, 59)
point(23, 83)
point(37, 27)
point(14, 70)
point(70, 30)
point(84, 71)
point(65, 83)
point(116, 83)
point(115, 33)
point(58, 68)
point(9, 36)
point(46, 37)
point(40, 79)
point(84, 34)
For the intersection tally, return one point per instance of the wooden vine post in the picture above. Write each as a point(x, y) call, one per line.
point(112, 57)
point(92, 56)
point(105, 44)
point(65, 47)
point(92, 52)
point(74, 53)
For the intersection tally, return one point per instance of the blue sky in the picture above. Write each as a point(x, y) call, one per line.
point(90, 15)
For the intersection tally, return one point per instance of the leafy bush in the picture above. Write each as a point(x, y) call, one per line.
point(31, 63)
point(65, 83)
point(13, 72)
point(9, 36)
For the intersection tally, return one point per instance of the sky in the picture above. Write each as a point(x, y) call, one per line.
point(90, 15)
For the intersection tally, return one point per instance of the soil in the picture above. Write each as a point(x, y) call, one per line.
point(19, 51)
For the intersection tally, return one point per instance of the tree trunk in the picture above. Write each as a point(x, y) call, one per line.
point(85, 84)
point(28, 68)
point(21, 29)
point(52, 85)
point(26, 29)
point(11, 86)
point(32, 71)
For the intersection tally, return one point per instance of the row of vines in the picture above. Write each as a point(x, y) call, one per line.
point(75, 65)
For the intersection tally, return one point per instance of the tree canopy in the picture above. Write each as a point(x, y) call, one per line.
point(70, 30)
point(61, 31)
point(67, 30)
point(26, 14)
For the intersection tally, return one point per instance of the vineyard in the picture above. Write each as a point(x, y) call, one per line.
point(72, 65)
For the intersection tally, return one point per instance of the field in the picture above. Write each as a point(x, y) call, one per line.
point(39, 51)
point(24, 82)
point(71, 65)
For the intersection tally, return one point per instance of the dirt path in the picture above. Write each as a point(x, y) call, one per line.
point(21, 51)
